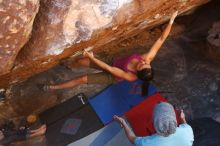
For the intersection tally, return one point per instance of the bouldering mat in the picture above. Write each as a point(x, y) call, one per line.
point(118, 98)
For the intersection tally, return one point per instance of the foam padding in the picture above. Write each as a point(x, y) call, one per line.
point(118, 98)
point(71, 126)
point(106, 135)
point(60, 111)
point(119, 140)
point(140, 117)
point(90, 123)
point(109, 135)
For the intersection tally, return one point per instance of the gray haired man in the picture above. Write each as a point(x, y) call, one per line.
point(167, 131)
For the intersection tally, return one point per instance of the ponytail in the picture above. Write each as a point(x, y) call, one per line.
point(145, 75)
point(145, 87)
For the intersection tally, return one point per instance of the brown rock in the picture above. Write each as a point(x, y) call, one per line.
point(16, 17)
point(213, 39)
point(62, 28)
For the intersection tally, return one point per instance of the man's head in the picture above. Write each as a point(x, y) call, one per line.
point(164, 119)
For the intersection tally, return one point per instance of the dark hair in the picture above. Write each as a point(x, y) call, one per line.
point(145, 75)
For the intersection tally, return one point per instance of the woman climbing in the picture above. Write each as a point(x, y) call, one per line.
point(128, 68)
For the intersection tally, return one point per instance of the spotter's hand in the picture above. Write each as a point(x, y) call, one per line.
point(118, 119)
point(182, 115)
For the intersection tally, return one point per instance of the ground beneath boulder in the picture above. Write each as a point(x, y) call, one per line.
point(184, 71)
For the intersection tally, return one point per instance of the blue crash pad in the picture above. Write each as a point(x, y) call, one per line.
point(118, 99)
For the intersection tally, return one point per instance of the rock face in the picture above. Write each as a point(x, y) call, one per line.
point(16, 17)
point(62, 28)
point(214, 42)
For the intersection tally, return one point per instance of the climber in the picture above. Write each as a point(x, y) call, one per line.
point(127, 68)
point(167, 131)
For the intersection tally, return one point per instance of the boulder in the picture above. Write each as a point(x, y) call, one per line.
point(213, 42)
point(16, 17)
point(63, 28)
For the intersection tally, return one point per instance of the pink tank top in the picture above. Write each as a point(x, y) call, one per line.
point(123, 62)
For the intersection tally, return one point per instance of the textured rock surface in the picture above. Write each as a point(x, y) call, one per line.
point(16, 17)
point(63, 27)
point(191, 80)
point(213, 39)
